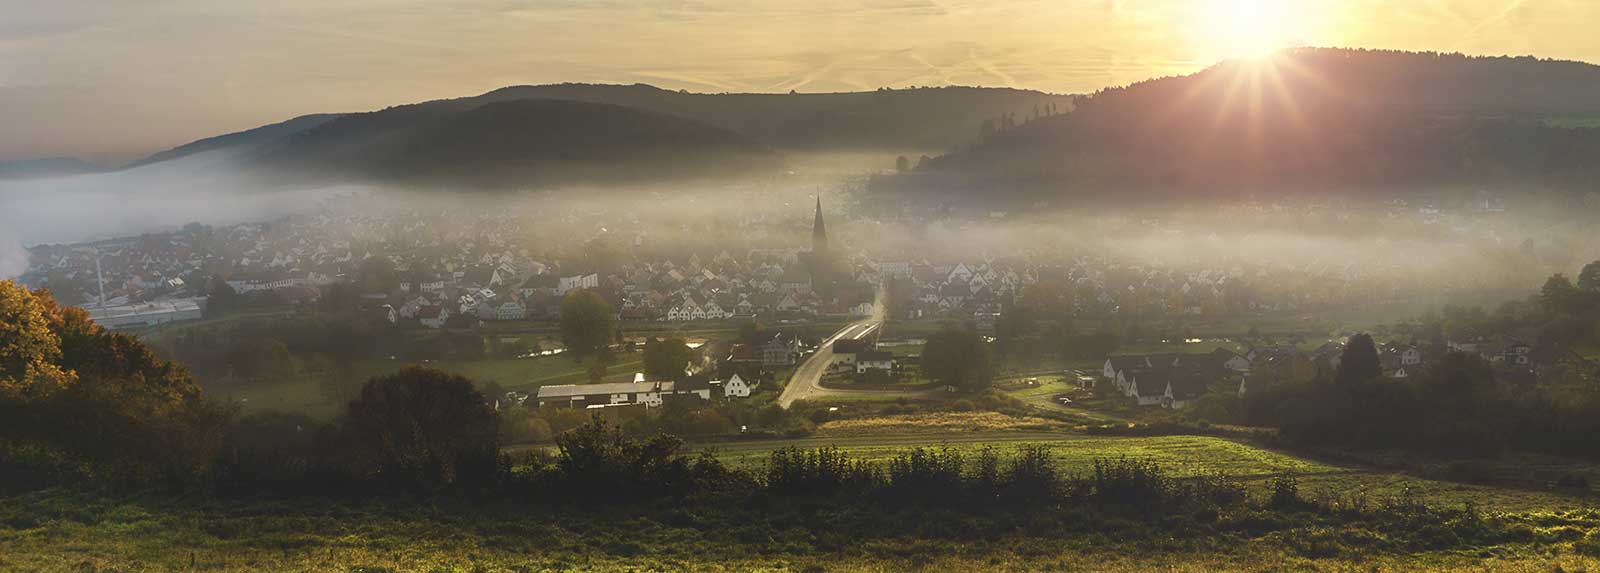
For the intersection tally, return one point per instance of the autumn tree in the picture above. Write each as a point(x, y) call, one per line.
point(30, 352)
point(98, 398)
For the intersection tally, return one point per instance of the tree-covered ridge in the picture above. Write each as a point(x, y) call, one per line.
point(917, 118)
point(1308, 118)
point(513, 144)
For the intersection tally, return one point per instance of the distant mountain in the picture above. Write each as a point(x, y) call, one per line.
point(1304, 119)
point(242, 141)
point(510, 144)
point(43, 168)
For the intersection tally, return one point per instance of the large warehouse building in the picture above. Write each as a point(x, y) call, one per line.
point(146, 314)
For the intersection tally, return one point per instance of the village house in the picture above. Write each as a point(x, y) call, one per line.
point(874, 360)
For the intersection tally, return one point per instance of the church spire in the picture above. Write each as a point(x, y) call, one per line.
point(819, 233)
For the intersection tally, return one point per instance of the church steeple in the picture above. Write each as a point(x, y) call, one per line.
point(819, 234)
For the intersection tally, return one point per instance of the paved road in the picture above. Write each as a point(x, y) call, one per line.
point(806, 383)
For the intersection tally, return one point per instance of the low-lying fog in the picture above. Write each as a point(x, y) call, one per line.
point(1449, 242)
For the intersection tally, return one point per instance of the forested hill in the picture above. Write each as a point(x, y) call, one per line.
point(1304, 119)
point(525, 143)
point(242, 141)
point(920, 118)
point(908, 119)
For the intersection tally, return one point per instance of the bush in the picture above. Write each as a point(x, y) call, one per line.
point(820, 472)
point(1285, 493)
point(420, 427)
point(925, 474)
point(1132, 483)
point(1031, 476)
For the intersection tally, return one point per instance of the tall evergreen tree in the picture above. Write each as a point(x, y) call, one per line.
point(1359, 363)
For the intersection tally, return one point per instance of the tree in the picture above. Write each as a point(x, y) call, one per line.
point(1589, 278)
point(112, 407)
point(586, 323)
point(30, 352)
point(421, 426)
point(957, 357)
point(1559, 295)
point(220, 298)
point(1359, 362)
point(665, 359)
point(902, 164)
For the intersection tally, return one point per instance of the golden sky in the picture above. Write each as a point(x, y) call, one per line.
point(111, 80)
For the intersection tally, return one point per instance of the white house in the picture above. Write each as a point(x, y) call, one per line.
point(735, 387)
point(569, 284)
point(874, 360)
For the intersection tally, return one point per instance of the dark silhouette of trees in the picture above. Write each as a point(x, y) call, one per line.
point(957, 356)
point(587, 322)
point(1559, 295)
point(220, 298)
point(665, 359)
point(420, 426)
point(1359, 362)
point(1589, 278)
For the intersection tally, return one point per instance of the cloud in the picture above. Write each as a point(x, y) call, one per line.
point(13, 258)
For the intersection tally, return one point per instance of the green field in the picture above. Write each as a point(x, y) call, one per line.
point(1184, 456)
point(62, 531)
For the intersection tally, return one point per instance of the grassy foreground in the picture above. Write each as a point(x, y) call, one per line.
point(76, 530)
point(62, 531)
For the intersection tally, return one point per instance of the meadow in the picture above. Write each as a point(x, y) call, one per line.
point(72, 530)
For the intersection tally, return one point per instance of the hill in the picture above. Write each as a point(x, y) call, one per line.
point(919, 118)
point(1303, 119)
point(242, 141)
point(510, 144)
point(923, 118)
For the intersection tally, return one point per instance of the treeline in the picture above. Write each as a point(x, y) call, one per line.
point(1457, 402)
point(1456, 405)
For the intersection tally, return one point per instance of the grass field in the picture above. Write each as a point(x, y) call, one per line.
point(65, 532)
point(1184, 456)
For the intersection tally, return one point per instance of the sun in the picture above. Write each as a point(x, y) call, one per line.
point(1246, 28)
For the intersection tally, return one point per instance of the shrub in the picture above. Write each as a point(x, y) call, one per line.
point(822, 471)
point(926, 474)
point(1031, 476)
point(1132, 483)
point(598, 459)
point(421, 426)
point(1285, 493)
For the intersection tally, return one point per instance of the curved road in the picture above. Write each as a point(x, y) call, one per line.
point(806, 383)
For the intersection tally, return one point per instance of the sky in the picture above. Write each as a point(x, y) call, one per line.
point(110, 81)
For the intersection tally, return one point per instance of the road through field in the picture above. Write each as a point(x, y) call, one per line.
point(806, 383)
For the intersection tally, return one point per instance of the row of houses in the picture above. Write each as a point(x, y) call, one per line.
point(649, 394)
point(1172, 380)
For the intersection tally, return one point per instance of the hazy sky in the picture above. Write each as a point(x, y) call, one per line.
point(111, 80)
